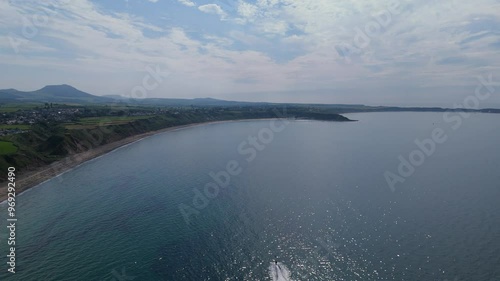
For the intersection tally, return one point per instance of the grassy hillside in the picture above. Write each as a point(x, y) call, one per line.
point(7, 147)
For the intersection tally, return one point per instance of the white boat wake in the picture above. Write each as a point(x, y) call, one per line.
point(279, 272)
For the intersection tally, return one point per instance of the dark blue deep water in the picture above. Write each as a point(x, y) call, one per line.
point(314, 197)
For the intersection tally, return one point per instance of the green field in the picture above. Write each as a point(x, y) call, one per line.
point(13, 107)
point(7, 148)
point(20, 127)
point(93, 122)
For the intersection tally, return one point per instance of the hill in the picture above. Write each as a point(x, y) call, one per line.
point(51, 93)
point(68, 94)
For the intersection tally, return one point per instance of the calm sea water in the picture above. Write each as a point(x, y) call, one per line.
point(314, 198)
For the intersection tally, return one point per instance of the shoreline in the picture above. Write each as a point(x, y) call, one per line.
point(28, 180)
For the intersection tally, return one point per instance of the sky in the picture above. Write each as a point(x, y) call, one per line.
point(394, 52)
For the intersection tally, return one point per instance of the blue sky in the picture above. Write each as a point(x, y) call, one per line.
point(322, 51)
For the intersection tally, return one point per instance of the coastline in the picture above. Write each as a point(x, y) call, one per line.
point(27, 180)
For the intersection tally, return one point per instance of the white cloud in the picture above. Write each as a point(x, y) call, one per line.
point(213, 9)
point(153, 1)
point(273, 27)
point(187, 3)
point(432, 44)
point(219, 40)
point(247, 10)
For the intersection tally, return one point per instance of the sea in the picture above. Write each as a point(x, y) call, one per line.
point(392, 196)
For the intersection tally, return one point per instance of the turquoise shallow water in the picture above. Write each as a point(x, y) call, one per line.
point(314, 197)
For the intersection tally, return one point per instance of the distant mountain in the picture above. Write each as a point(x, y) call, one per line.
point(51, 93)
point(9, 94)
point(193, 102)
point(68, 94)
point(61, 91)
point(113, 96)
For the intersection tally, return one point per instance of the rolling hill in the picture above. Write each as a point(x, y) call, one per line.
point(68, 94)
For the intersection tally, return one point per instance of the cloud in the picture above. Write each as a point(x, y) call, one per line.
point(272, 27)
point(213, 9)
point(279, 46)
point(153, 1)
point(218, 40)
point(187, 3)
point(247, 10)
